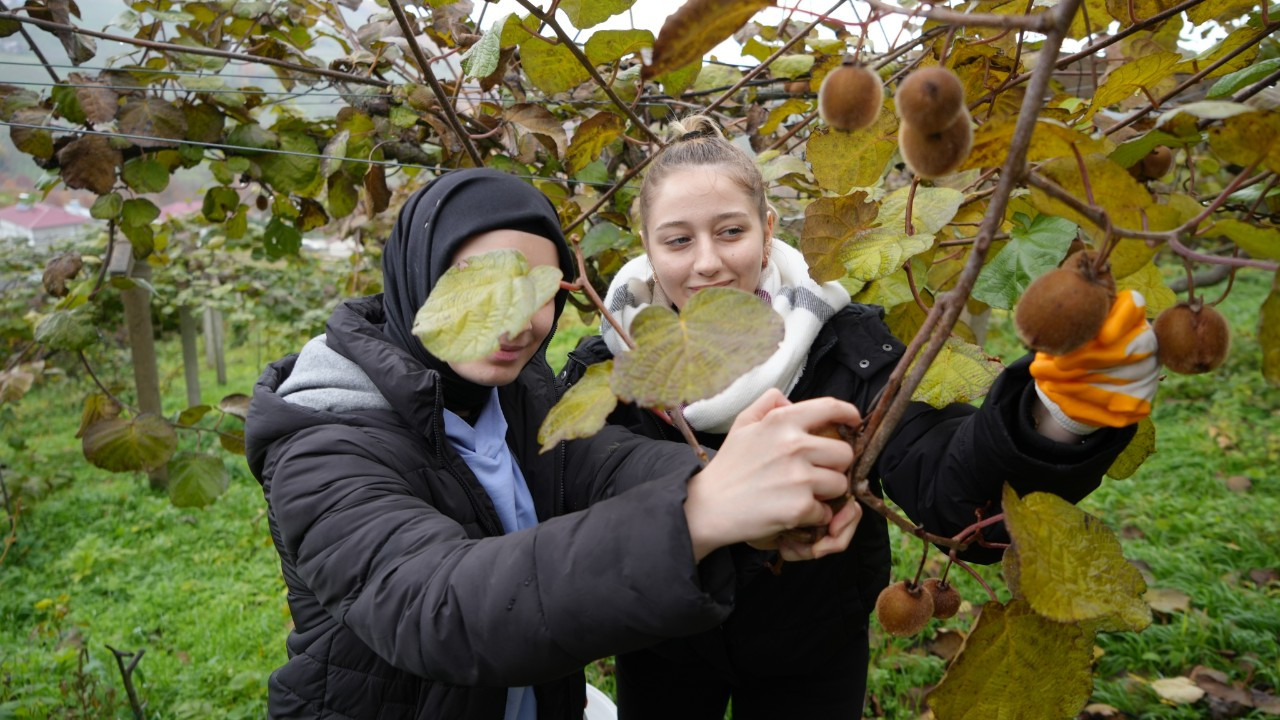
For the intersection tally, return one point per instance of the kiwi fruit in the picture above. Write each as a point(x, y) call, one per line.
point(904, 608)
point(930, 99)
point(932, 155)
point(850, 97)
point(1065, 308)
point(946, 599)
point(1193, 338)
point(1154, 165)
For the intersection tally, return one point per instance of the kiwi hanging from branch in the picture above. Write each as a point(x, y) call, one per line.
point(1065, 308)
point(1193, 338)
point(930, 99)
point(850, 97)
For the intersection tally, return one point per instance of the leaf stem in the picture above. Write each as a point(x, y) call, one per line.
point(89, 369)
point(965, 566)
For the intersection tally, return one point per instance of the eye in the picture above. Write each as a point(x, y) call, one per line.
point(733, 232)
point(677, 241)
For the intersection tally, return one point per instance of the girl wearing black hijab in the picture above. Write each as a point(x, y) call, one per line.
point(437, 565)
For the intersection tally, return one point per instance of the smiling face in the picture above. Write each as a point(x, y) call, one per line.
point(702, 230)
point(501, 367)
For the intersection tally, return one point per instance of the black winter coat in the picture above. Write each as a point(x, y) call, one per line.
point(940, 466)
point(407, 599)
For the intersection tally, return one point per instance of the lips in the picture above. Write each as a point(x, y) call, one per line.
point(696, 288)
point(507, 353)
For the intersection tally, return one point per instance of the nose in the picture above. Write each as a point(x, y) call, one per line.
point(706, 261)
point(508, 337)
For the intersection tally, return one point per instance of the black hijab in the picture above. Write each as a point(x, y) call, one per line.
point(433, 223)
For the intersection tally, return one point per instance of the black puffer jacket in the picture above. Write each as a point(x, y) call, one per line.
point(940, 467)
point(407, 599)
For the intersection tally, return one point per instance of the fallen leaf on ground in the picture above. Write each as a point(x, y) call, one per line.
point(1098, 711)
point(1263, 576)
point(1177, 690)
point(1238, 483)
point(946, 643)
point(1167, 600)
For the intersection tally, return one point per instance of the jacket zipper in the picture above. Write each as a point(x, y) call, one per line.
point(486, 521)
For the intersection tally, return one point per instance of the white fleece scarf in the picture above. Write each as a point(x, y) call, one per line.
point(805, 306)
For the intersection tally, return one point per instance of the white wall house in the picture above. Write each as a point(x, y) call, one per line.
point(40, 224)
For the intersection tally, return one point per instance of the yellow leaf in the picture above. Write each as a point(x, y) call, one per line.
point(960, 373)
point(1141, 447)
point(993, 677)
point(538, 120)
point(1130, 256)
point(830, 224)
point(591, 138)
point(1229, 43)
point(1167, 600)
point(1150, 283)
point(1050, 139)
point(1248, 138)
point(931, 209)
point(696, 28)
point(1130, 11)
point(1269, 334)
point(1070, 565)
point(792, 106)
point(880, 251)
point(1124, 81)
point(551, 66)
point(845, 160)
point(1113, 189)
point(1219, 10)
point(583, 409)
point(1258, 241)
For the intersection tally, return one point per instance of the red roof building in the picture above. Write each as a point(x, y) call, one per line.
point(40, 223)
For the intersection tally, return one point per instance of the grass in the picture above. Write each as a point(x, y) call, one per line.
point(103, 560)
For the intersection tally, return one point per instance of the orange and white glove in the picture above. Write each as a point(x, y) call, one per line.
point(1111, 380)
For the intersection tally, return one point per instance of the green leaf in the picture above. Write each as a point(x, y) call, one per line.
point(1269, 334)
point(67, 103)
point(677, 81)
point(550, 66)
point(196, 479)
point(141, 240)
point(845, 160)
point(481, 59)
point(238, 224)
point(583, 410)
point(992, 676)
point(145, 175)
point(831, 225)
point(1238, 80)
point(106, 207)
point(1141, 447)
point(1127, 154)
point(1032, 250)
point(591, 138)
point(472, 306)
point(70, 330)
point(118, 445)
point(880, 252)
point(204, 122)
point(98, 406)
point(719, 335)
point(961, 373)
point(252, 136)
point(1070, 565)
point(589, 13)
point(192, 415)
point(1151, 284)
point(36, 143)
point(218, 202)
point(1259, 242)
point(138, 212)
point(279, 239)
point(791, 66)
point(291, 173)
point(695, 29)
point(603, 236)
point(232, 441)
point(931, 210)
point(153, 118)
point(343, 195)
point(606, 46)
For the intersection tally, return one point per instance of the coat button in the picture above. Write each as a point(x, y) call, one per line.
point(887, 347)
point(864, 364)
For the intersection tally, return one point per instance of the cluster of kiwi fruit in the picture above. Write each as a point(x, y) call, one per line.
point(935, 134)
point(905, 607)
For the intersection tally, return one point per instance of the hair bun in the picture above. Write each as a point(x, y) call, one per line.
point(695, 134)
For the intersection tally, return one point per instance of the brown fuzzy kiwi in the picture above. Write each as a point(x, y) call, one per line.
point(929, 99)
point(946, 599)
point(796, 87)
point(904, 608)
point(932, 155)
point(850, 97)
point(1155, 165)
point(813, 533)
point(1065, 308)
point(1193, 338)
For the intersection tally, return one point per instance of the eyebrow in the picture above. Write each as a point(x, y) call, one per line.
point(722, 216)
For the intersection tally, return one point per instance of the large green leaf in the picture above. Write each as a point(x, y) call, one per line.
point(960, 373)
point(845, 160)
point(1035, 247)
point(1238, 80)
point(881, 251)
point(196, 479)
point(291, 173)
point(1070, 565)
point(696, 28)
point(70, 330)
point(606, 46)
point(145, 175)
point(481, 59)
point(106, 207)
point(719, 335)
point(589, 13)
point(1016, 664)
point(1269, 334)
point(551, 66)
point(472, 306)
point(831, 224)
point(583, 409)
point(118, 445)
point(218, 203)
point(280, 239)
point(1136, 452)
point(138, 212)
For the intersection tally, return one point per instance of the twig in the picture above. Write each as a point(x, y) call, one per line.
point(89, 369)
point(35, 49)
point(586, 63)
point(13, 510)
point(450, 115)
point(1034, 23)
point(965, 566)
point(126, 672)
point(790, 133)
point(915, 291)
point(604, 197)
point(195, 50)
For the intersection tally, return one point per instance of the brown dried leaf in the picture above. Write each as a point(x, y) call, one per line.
point(99, 103)
point(89, 163)
point(1263, 576)
point(59, 270)
point(696, 28)
point(1238, 483)
point(946, 644)
point(375, 184)
point(152, 118)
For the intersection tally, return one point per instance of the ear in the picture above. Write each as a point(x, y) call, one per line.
point(769, 219)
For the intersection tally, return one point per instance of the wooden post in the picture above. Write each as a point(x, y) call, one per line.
point(219, 347)
point(209, 354)
point(190, 358)
point(137, 318)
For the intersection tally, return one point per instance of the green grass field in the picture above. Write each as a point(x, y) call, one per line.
point(102, 560)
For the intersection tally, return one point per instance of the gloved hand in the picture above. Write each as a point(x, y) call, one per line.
point(1111, 380)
